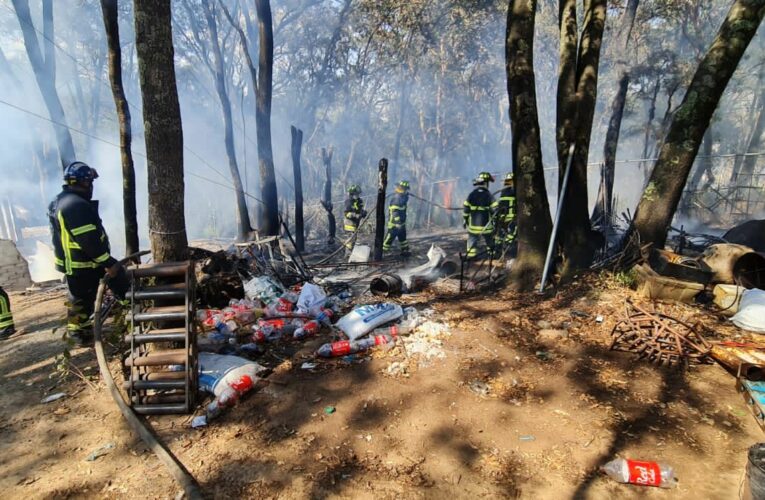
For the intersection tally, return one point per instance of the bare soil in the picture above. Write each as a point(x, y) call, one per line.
point(505, 414)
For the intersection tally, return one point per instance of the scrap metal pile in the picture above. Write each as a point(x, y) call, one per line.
point(658, 338)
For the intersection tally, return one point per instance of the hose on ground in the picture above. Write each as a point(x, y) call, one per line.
point(137, 423)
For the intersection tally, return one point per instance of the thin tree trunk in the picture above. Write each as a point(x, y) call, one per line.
point(297, 143)
point(109, 10)
point(756, 145)
point(270, 222)
point(44, 68)
point(326, 159)
point(534, 224)
point(660, 198)
point(382, 185)
point(164, 133)
point(242, 215)
point(576, 232)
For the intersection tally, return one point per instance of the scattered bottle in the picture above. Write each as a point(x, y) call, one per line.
point(279, 307)
point(271, 330)
point(323, 316)
point(640, 473)
point(346, 347)
point(290, 296)
point(309, 329)
point(229, 396)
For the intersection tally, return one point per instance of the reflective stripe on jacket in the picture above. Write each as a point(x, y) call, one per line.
point(397, 210)
point(478, 210)
point(79, 239)
point(354, 212)
point(506, 207)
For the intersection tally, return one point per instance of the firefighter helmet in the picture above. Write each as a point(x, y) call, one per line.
point(509, 179)
point(354, 189)
point(403, 186)
point(483, 178)
point(78, 171)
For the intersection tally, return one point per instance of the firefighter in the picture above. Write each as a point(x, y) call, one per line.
point(354, 212)
point(397, 219)
point(506, 213)
point(6, 318)
point(478, 211)
point(81, 249)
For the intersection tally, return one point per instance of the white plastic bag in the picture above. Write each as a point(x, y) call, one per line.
point(751, 311)
point(218, 371)
point(364, 319)
point(263, 289)
point(310, 296)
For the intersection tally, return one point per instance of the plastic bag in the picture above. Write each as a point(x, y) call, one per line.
point(364, 319)
point(751, 311)
point(310, 296)
point(264, 289)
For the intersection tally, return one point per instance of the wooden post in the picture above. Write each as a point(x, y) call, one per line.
point(326, 158)
point(380, 224)
point(430, 206)
point(297, 144)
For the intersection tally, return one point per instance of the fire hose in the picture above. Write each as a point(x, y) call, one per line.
point(137, 423)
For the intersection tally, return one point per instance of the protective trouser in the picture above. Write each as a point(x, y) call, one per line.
point(83, 286)
point(474, 240)
point(351, 227)
point(506, 232)
point(6, 318)
point(394, 233)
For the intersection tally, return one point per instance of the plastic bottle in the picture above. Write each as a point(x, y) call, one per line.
point(640, 473)
point(290, 296)
point(346, 347)
point(279, 307)
point(229, 395)
point(274, 329)
point(323, 315)
point(309, 329)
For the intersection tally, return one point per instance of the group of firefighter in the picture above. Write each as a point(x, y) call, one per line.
point(485, 217)
point(83, 254)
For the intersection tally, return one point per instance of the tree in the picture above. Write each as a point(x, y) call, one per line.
point(270, 223)
point(242, 214)
point(577, 95)
point(163, 130)
point(604, 202)
point(109, 9)
point(662, 194)
point(534, 224)
point(44, 67)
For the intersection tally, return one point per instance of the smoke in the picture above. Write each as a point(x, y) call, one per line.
point(344, 73)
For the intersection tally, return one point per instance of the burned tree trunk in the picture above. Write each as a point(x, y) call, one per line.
point(109, 10)
point(578, 110)
point(382, 186)
point(661, 197)
point(605, 198)
point(242, 215)
point(270, 223)
point(297, 144)
point(164, 134)
point(534, 224)
point(44, 67)
point(326, 159)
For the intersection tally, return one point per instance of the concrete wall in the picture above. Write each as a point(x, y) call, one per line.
point(14, 270)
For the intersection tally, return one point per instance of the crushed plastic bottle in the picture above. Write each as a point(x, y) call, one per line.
point(323, 315)
point(640, 473)
point(279, 307)
point(309, 329)
point(229, 396)
point(346, 347)
point(271, 330)
point(290, 296)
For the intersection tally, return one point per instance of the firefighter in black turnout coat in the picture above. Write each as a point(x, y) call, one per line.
point(397, 219)
point(82, 250)
point(478, 214)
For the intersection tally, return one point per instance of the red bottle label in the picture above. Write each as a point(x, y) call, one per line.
point(341, 348)
point(276, 324)
point(644, 473)
point(243, 384)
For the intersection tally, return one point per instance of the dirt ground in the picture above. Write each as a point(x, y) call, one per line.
point(506, 413)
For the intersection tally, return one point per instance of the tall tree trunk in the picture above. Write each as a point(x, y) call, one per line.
point(403, 105)
point(242, 215)
point(660, 198)
point(164, 133)
point(270, 223)
point(109, 10)
point(602, 212)
point(44, 67)
point(326, 202)
point(755, 141)
point(297, 143)
point(578, 112)
point(534, 224)
point(382, 185)
point(605, 198)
